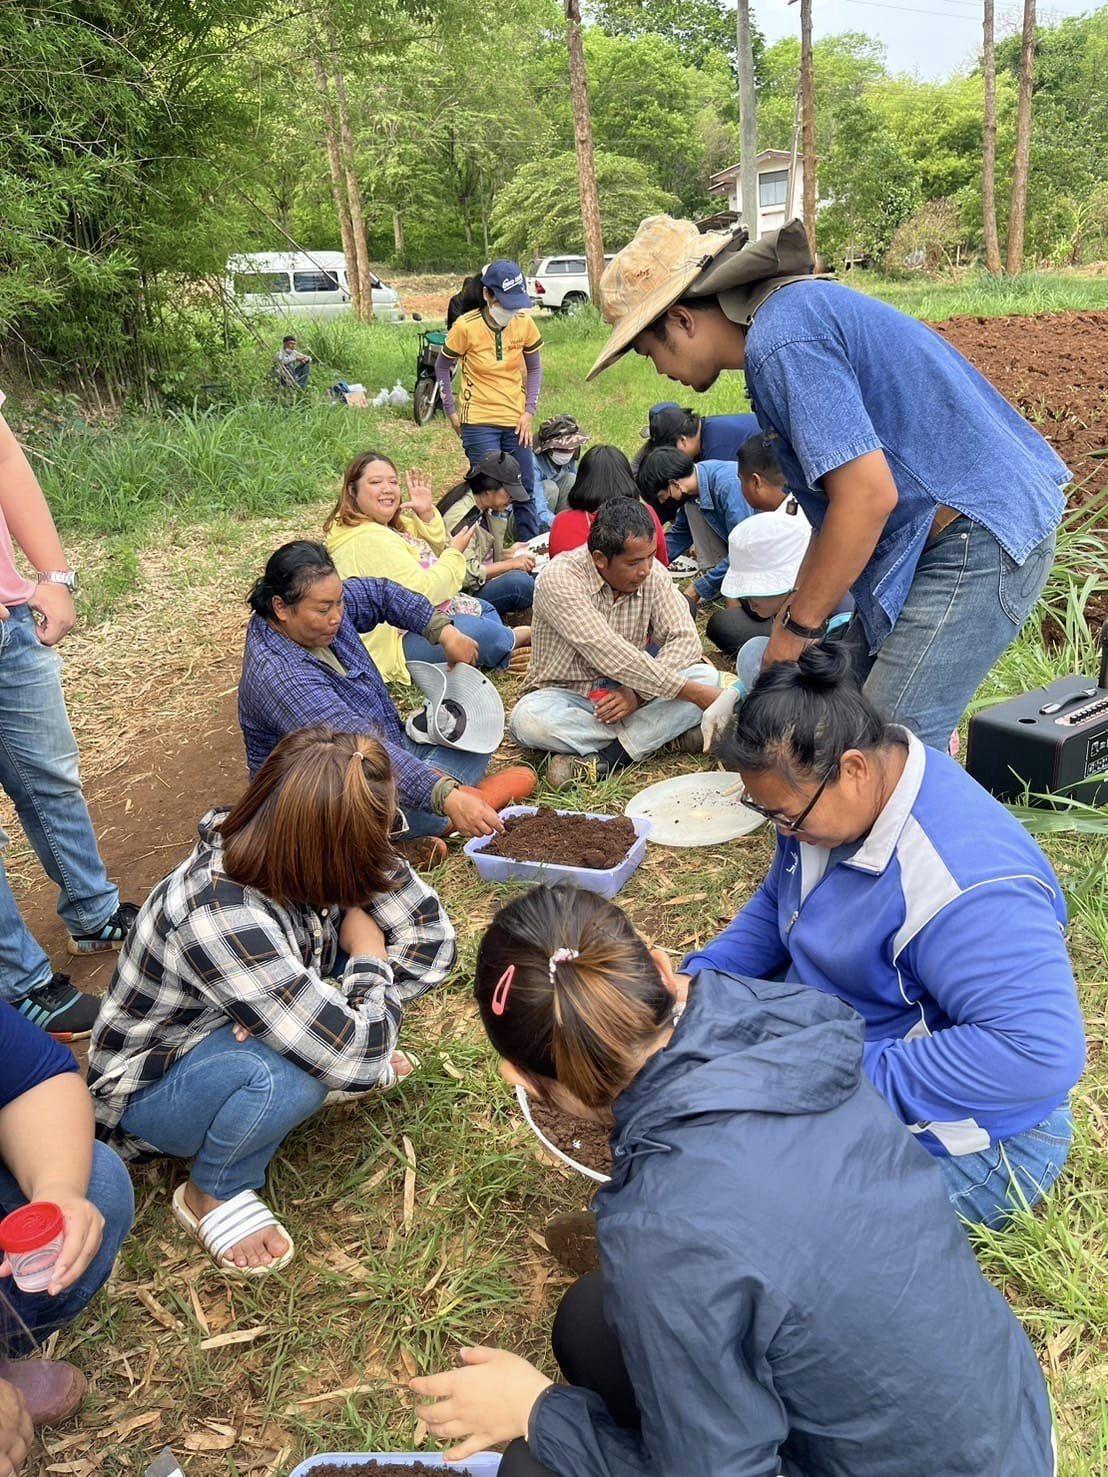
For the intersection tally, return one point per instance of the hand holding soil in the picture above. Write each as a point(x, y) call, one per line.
point(487, 1401)
point(470, 815)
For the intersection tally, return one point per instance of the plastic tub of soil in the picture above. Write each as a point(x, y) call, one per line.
point(566, 1137)
point(597, 852)
point(386, 1463)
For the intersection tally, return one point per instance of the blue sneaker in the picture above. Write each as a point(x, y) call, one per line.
point(109, 936)
point(60, 1009)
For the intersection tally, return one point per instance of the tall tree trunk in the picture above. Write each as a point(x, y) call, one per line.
point(988, 142)
point(350, 176)
point(398, 233)
point(338, 180)
point(582, 138)
point(808, 121)
point(1017, 215)
point(748, 119)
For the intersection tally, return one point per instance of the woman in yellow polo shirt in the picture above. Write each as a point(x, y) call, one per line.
point(371, 533)
point(497, 347)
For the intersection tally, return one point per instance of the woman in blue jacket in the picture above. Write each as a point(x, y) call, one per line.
point(783, 1285)
point(902, 887)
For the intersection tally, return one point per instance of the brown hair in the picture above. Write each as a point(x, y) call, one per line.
point(584, 1021)
point(345, 512)
point(313, 827)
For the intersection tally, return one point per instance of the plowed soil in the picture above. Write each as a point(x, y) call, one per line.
point(1054, 370)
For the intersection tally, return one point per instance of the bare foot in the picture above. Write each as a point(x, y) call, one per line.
point(260, 1250)
point(400, 1064)
point(523, 637)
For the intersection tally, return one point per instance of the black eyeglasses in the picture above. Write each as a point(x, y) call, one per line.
point(791, 826)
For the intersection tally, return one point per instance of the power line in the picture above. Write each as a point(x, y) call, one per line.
point(916, 10)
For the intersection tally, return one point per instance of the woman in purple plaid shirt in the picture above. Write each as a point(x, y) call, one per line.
point(266, 974)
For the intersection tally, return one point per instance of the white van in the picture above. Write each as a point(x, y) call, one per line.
point(561, 283)
point(302, 284)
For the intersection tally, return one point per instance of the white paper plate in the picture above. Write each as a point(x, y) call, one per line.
point(541, 560)
point(692, 810)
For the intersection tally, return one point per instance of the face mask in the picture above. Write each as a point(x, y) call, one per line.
point(561, 458)
point(501, 316)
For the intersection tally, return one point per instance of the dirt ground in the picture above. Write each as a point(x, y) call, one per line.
point(1053, 368)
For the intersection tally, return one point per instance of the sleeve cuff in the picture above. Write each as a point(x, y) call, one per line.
point(436, 626)
point(441, 789)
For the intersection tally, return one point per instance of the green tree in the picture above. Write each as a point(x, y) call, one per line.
point(699, 28)
point(539, 211)
point(872, 184)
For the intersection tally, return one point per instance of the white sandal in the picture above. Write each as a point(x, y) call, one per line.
point(221, 1230)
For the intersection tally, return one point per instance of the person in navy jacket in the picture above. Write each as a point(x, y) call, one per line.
point(48, 1153)
point(784, 1287)
point(902, 887)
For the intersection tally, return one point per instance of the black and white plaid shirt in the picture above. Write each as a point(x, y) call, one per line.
point(205, 951)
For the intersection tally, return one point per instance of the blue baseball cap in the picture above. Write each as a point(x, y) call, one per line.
point(506, 282)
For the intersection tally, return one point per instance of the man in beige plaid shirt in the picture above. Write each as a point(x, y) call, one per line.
point(593, 688)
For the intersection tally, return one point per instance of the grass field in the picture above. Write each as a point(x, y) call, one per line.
point(416, 1217)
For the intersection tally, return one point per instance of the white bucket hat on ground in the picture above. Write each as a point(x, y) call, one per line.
point(764, 554)
point(463, 711)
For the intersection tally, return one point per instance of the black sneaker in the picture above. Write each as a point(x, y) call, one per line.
point(109, 936)
point(60, 1009)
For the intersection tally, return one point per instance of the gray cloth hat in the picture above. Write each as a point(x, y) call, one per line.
point(463, 710)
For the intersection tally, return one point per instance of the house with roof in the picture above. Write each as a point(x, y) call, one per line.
point(777, 202)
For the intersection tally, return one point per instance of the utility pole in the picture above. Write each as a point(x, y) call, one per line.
point(1018, 213)
point(582, 138)
point(988, 142)
point(808, 121)
point(748, 120)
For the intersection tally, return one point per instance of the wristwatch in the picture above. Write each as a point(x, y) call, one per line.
point(806, 633)
point(66, 577)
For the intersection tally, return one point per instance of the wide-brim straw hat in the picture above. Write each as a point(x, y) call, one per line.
point(670, 259)
point(648, 276)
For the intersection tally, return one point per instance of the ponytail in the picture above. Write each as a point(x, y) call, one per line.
point(583, 999)
point(801, 717)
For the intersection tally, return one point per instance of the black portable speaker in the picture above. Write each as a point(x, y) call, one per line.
point(1053, 741)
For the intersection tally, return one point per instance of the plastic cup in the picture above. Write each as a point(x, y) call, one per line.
point(32, 1238)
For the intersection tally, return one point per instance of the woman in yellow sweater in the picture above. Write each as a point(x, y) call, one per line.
point(371, 533)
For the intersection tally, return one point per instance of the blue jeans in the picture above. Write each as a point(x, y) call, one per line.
point(511, 592)
point(1012, 1174)
point(459, 763)
point(38, 769)
point(495, 642)
point(967, 603)
point(557, 721)
point(477, 440)
point(228, 1106)
point(26, 1318)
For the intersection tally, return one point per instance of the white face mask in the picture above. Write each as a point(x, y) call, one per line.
point(501, 316)
point(561, 458)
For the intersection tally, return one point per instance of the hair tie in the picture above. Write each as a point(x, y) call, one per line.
point(499, 1003)
point(561, 956)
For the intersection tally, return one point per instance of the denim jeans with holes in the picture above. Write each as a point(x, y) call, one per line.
point(1012, 1174)
point(38, 769)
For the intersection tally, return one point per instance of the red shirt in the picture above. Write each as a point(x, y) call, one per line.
point(571, 529)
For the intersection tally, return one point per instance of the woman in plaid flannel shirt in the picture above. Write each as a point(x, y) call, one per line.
point(269, 970)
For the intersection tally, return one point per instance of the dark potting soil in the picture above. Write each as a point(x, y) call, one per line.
point(386, 1469)
point(589, 1143)
point(565, 840)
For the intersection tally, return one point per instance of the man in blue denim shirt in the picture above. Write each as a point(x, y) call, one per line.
point(710, 495)
point(933, 500)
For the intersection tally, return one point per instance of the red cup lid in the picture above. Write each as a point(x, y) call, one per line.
point(33, 1226)
point(598, 693)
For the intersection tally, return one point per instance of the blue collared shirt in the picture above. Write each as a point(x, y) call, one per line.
point(837, 374)
point(720, 499)
point(285, 688)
